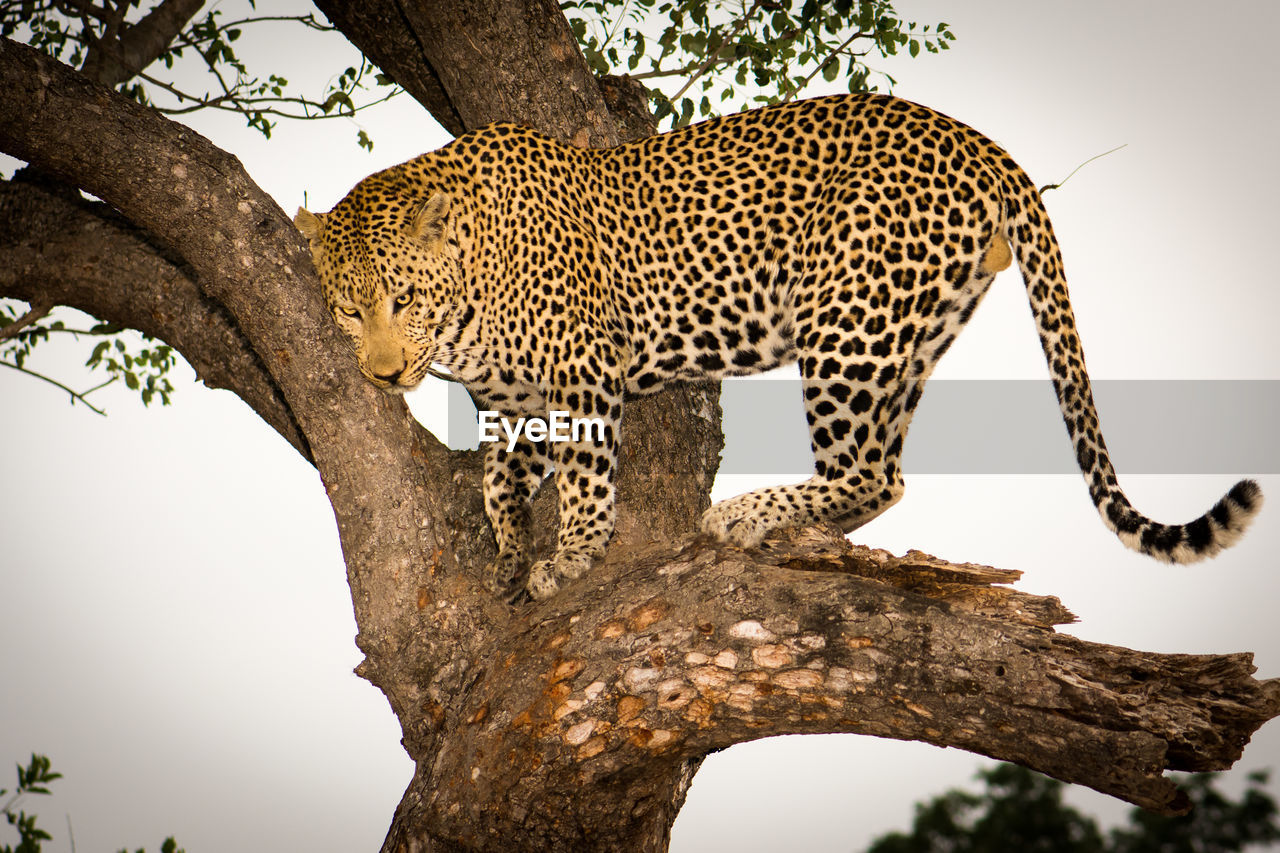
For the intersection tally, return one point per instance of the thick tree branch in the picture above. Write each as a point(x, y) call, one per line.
point(541, 79)
point(698, 646)
point(65, 251)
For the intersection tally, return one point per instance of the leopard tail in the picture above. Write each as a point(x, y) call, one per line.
point(1036, 249)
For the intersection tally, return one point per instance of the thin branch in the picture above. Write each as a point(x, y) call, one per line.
point(75, 395)
point(711, 61)
point(78, 332)
point(234, 103)
point(36, 312)
point(1044, 189)
point(306, 20)
point(830, 57)
point(184, 40)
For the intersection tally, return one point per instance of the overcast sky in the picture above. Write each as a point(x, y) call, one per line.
point(175, 626)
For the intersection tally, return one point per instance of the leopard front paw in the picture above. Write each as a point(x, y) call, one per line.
point(505, 576)
point(545, 576)
point(542, 583)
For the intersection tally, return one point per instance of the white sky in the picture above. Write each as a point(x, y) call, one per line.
point(175, 626)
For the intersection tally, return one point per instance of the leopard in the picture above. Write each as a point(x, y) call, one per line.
point(853, 235)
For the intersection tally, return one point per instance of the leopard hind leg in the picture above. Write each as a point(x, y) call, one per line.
point(856, 430)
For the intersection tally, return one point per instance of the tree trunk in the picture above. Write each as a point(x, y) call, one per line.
point(574, 723)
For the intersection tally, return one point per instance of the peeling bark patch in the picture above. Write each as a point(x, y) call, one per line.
point(569, 706)
point(434, 712)
point(629, 707)
point(640, 737)
point(578, 734)
point(674, 694)
point(752, 631)
point(699, 712)
point(566, 670)
point(742, 697)
point(798, 679)
point(648, 613)
point(591, 748)
point(612, 628)
point(812, 642)
point(709, 678)
point(638, 679)
point(661, 738)
point(727, 659)
point(772, 656)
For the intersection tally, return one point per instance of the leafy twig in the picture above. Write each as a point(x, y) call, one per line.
point(710, 62)
point(75, 395)
point(832, 56)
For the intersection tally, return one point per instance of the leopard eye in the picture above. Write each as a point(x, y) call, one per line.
point(347, 311)
point(404, 299)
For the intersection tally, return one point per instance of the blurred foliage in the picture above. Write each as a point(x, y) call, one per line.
point(1023, 810)
point(35, 779)
point(203, 51)
point(139, 362)
point(743, 53)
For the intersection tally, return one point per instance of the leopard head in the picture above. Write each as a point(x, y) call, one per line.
point(389, 273)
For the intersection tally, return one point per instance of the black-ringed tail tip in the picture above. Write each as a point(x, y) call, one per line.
point(1216, 530)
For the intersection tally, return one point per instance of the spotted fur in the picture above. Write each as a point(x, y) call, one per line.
point(854, 234)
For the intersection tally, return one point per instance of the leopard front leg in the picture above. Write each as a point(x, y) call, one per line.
point(511, 479)
point(584, 474)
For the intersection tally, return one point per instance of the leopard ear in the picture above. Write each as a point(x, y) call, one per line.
point(308, 224)
point(429, 223)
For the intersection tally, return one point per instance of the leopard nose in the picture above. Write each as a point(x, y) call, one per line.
point(389, 378)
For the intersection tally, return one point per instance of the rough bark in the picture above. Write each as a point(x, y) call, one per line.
point(576, 723)
point(62, 250)
point(580, 725)
point(493, 60)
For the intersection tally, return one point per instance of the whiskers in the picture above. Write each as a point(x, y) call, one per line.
point(452, 359)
